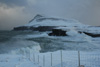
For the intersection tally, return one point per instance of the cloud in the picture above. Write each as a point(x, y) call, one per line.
point(19, 12)
point(14, 2)
point(12, 16)
point(14, 13)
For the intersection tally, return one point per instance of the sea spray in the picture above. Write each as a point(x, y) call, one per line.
point(27, 51)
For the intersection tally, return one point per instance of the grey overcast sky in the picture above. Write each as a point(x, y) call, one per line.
point(19, 12)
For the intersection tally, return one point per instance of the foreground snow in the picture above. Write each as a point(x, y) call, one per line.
point(7, 60)
point(25, 57)
point(69, 59)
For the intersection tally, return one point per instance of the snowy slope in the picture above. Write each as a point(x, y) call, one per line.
point(49, 21)
point(65, 24)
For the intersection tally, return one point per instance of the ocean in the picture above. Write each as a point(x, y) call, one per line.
point(28, 48)
point(11, 41)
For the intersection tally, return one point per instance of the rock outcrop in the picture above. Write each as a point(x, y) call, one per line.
point(44, 28)
point(92, 34)
point(40, 28)
point(21, 28)
point(57, 32)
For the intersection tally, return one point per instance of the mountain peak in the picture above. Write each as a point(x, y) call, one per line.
point(36, 17)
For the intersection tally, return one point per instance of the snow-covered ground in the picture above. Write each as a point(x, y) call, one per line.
point(8, 60)
point(69, 59)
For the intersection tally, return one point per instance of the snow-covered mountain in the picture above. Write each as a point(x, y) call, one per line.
point(49, 21)
point(42, 23)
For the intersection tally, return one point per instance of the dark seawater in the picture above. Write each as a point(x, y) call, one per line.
point(14, 40)
point(9, 40)
point(7, 35)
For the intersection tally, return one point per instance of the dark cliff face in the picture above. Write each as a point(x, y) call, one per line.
point(21, 28)
point(92, 34)
point(57, 32)
point(40, 28)
point(44, 28)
